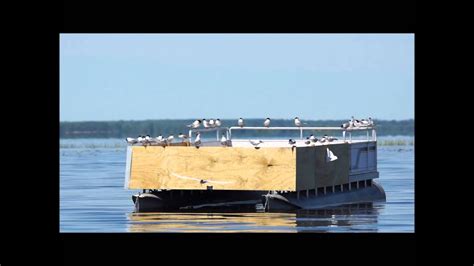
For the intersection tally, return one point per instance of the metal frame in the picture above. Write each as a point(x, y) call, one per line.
point(301, 129)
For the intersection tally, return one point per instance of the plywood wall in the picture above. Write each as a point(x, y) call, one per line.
point(222, 168)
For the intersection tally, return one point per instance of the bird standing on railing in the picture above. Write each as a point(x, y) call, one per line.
point(205, 123)
point(218, 122)
point(367, 122)
point(297, 122)
point(212, 123)
point(195, 124)
point(266, 123)
point(240, 122)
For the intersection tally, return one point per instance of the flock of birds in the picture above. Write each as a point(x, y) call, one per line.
point(355, 123)
point(310, 140)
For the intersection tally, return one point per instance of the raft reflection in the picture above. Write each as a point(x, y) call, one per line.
point(348, 218)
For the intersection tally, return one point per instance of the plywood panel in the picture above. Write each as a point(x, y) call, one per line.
point(222, 168)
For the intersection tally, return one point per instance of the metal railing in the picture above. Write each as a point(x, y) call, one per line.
point(301, 129)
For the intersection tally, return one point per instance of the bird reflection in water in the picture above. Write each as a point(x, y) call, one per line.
point(348, 218)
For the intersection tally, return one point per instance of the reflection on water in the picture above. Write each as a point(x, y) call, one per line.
point(342, 219)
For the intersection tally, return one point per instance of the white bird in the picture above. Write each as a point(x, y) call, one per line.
point(170, 139)
point(291, 141)
point(367, 122)
point(212, 123)
point(240, 122)
point(255, 143)
point(205, 123)
point(195, 124)
point(371, 122)
point(323, 139)
point(197, 141)
point(218, 122)
point(355, 122)
point(330, 138)
point(298, 122)
point(159, 138)
point(345, 125)
point(330, 156)
point(308, 141)
point(141, 139)
point(183, 137)
point(312, 137)
point(224, 140)
point(148, 139)
point(266, 123)
point(131, 141)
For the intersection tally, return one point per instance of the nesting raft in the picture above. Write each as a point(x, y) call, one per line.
point(236, 168)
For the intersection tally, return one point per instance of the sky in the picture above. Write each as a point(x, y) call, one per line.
point(189, 76)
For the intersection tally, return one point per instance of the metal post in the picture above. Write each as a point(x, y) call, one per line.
point(344, 135)
point(316, 191)
point(297, 194)
point(324, 190)
point(307, 193)
point(301, 133)
point(350, 187)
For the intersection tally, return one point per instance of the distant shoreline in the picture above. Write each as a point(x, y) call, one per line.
point(132, 128)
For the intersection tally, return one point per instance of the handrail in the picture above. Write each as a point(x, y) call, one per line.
point(301, 129)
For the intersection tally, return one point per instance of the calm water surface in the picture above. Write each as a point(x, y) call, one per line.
point(93, 199)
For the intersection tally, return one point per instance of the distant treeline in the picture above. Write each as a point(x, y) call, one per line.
point(122, 129)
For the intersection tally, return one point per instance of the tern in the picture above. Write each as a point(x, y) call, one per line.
point(291, 141)
point(183, 137)
point(195, 124)
point(131, 141)
point(197, 141)
point(298, 122)
point(224, 141)
point(255, 143)
point(240, 122)
point(266, 123)
point(205, 123)
point(218, 122)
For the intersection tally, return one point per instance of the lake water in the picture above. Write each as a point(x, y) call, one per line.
point(93, 198)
